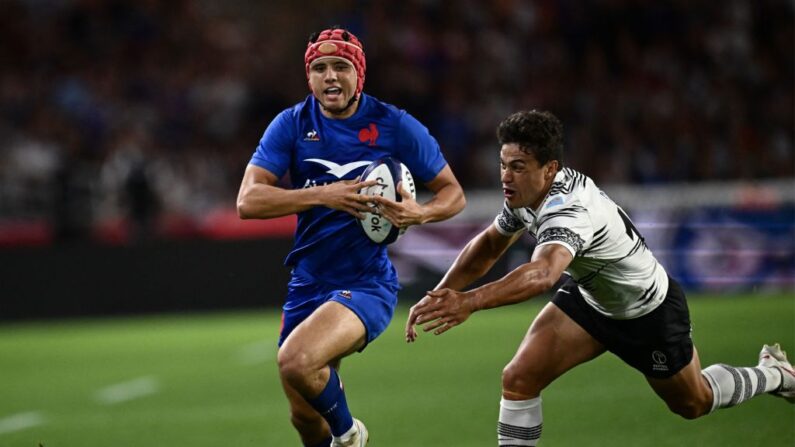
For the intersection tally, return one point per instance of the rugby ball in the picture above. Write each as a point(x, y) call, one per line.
point(388, 172)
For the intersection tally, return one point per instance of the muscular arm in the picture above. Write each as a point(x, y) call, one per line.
point(476, 259)
point(526, 281)
point(445, 308)
point(447, 201)
point(448, 197)
point(259, 198)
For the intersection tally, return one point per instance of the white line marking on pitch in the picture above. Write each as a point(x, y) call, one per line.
point(126, 391)
point(21, 421)
point(257, 352)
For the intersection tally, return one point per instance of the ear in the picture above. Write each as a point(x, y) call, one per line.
point(550, 169)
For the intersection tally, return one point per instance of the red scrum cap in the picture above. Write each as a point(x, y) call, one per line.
point(337, 42)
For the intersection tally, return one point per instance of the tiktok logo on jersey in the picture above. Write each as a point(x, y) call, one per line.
point(369, 135)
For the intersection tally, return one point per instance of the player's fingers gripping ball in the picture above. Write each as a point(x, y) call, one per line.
point(388, 173)
point(340, 43)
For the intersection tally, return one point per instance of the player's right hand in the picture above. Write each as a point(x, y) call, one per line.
point(401, 214)
point(439, 311)
point(345, 196)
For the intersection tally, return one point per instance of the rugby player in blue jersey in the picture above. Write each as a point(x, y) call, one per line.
point(343, 289)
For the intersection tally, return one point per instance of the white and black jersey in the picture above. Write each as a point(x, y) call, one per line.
point(615, 271)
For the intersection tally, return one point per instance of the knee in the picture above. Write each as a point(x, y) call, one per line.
point(293, 366)
point(521, 383)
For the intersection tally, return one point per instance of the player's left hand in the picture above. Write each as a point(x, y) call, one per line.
point(441, 309)
point(402, 214)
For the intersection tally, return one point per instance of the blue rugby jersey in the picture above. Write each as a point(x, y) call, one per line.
point(330, 245)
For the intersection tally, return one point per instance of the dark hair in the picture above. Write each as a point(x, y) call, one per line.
point(537, 133)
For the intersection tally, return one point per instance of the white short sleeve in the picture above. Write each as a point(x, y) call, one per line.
point(506, 223)
point(566, 223)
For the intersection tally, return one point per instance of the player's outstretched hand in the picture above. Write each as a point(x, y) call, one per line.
point(440, 310)
point(402, 214)
point(345, 196)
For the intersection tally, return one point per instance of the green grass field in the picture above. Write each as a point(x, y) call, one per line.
point(211, 380)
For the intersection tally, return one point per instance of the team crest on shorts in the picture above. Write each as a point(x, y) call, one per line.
point(345, 294)
point(660, 361)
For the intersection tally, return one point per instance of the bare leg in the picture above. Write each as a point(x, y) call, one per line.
point(693, 392)
point(311, 427)
point(332, 332)
point(687, 392)
point(553, 345)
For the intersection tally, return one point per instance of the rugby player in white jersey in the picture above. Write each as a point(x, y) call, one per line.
point(618, 297)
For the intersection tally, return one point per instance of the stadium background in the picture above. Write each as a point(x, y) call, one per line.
point(125, 128)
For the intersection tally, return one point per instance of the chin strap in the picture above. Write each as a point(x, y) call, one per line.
point(348, 106)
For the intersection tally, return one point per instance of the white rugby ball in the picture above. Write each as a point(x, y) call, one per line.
point(388, 172)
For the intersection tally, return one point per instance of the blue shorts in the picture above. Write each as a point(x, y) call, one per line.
point(374, 304)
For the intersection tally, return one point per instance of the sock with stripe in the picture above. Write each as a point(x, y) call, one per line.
point(520, 422)
point(332, 405)
point(731, 385)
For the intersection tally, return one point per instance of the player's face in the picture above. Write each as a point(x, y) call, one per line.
point(333, 82)
point(524, 181)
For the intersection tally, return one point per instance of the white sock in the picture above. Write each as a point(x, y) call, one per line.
point(731, 385)
point(520, 422)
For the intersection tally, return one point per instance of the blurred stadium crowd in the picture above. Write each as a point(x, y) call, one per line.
point(129, 110)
